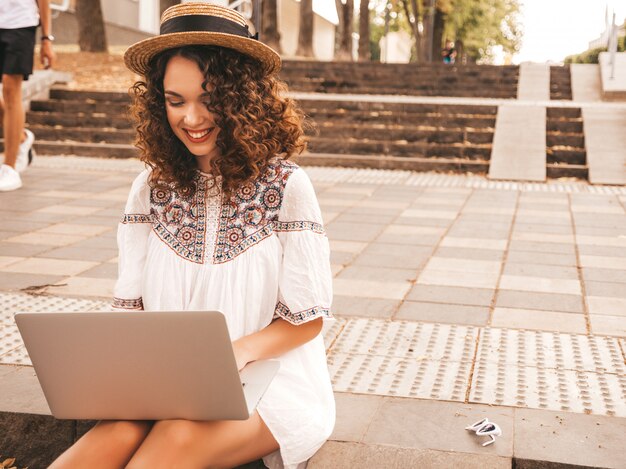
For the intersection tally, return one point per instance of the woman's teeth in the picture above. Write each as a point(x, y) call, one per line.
point(197, 135)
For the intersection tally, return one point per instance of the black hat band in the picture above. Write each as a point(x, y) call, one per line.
point(213, 24)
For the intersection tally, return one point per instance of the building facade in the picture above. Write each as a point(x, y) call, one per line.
point(143, 15)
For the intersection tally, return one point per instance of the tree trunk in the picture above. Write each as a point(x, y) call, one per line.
point(91, 34)
point(425, 32)
point(429, 26)
point(364, 32)
point(305, 34)
point(269, 25)
point(344, 29)
point(461, 56)
point(414, 28)
point(440, 19)
point(165, 4)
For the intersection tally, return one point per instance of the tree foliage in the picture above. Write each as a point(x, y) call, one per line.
point(475, 25)
point(480, 25)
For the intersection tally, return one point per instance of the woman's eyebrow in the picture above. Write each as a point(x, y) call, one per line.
point(180, 95)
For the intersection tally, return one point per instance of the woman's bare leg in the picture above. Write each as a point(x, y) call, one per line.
point(110, 444)
point(219, 444)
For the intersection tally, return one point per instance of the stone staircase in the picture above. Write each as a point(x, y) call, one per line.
point(565, 143)
point(478, 81)
point(426, 137)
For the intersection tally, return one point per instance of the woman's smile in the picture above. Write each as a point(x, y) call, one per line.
point(199, 136)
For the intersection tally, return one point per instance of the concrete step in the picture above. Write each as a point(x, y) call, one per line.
point(413, 163)
point(400, 135)
point(560, 83)
point(428, 120)
point(565, 139)
point(426, 80)
point(445, 157)
point(454, 88)
point(566, 170)
point(88, 102)
point(566, 155)
point(84, 106)
point(400, 148)
point(444, 77)
point(371, 431)
point(59, 92)
point(565, 125)
point(82, 134)
point(63, 119)
point(109, 150)
point(563, 113)
point(398, 71)
point(388, 118)
point(399, 107)
point(351, 88)
point(408, 133)
point(291, 66)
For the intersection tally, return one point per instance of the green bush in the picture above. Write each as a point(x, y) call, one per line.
point(591, 56)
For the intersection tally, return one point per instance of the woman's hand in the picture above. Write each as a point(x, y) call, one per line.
point(242, 356)
point(278, 338)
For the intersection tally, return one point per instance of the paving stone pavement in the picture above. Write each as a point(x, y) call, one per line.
point(448, 289)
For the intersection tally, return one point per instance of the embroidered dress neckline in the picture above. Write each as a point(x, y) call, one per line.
point(213, 184)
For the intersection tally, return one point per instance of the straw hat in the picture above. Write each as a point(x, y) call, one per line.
point(204, 24)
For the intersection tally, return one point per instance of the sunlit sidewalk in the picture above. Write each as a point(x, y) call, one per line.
point(473, 296)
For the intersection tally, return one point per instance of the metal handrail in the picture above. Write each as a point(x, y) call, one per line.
point(59, 7)
point(242, 6)
point(613, 47)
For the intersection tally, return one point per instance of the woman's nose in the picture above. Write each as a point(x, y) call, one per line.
point(194, 115)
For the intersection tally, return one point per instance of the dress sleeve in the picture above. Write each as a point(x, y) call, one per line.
point(305, 281)
point(132, 241)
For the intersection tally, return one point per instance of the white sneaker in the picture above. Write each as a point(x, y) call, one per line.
point(25, 152)
point(9, 178)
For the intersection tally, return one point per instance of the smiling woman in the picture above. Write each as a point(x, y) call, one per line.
point(221, 221)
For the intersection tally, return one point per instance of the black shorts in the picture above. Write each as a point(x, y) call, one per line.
point(17, 48)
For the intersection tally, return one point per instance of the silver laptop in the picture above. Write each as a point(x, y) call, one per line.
point(141, 366)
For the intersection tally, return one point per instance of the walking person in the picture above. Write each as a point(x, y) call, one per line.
point(222, 220)
point(449, 53)
point(18, 23)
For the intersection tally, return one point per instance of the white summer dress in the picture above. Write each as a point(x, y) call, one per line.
point(260, 255)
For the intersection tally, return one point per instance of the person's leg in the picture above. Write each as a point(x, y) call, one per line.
point(13, 118)
point(190, 444)
point(108, 445)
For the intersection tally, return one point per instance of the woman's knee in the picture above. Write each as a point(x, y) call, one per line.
point(180, 435)
point(110, 441)
point(169, 441)
point(11, 89)
point(126, 433)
